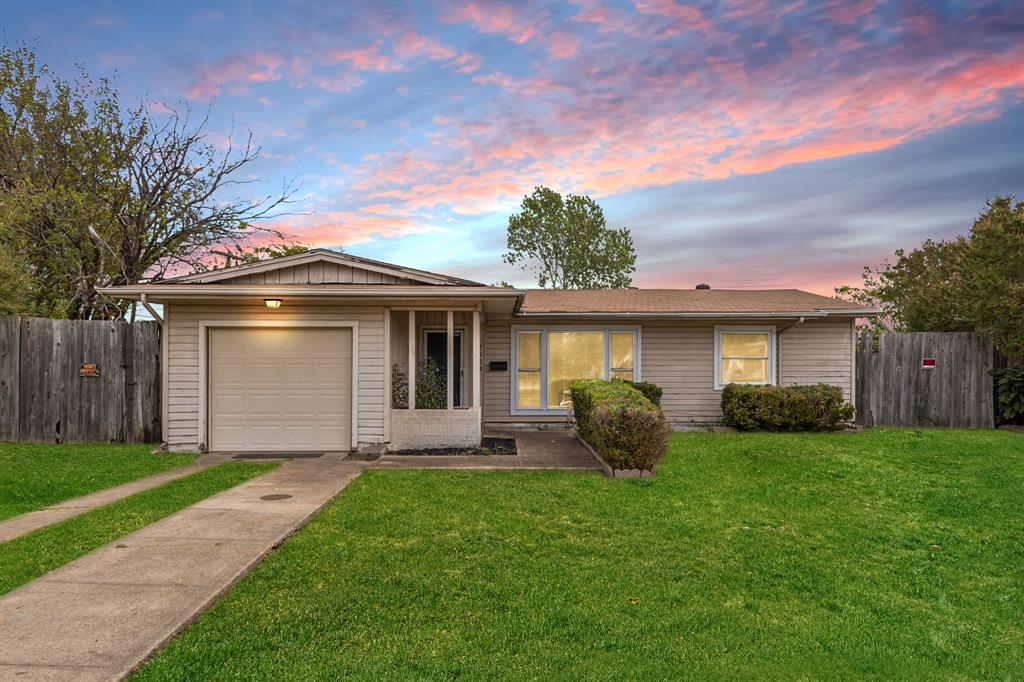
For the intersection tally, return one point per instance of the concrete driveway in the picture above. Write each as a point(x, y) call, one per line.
point(99, 617)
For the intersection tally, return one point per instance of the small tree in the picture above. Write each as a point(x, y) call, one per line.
point(568, 244)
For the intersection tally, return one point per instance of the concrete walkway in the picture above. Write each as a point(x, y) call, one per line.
point(100, 616)
point(553, 449)
point(26, 523)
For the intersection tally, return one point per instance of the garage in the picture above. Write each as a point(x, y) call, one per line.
point(282, 389)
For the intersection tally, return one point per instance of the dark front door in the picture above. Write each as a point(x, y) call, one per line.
point(437, 350)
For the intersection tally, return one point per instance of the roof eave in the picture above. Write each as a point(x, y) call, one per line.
point(706, 315)
point(213, 290)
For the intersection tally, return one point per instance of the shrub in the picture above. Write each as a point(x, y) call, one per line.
point(791, 408)
point(651, 391)
point(1010, 393)
point(431, 387)
point(399, 388)
point(620, 423)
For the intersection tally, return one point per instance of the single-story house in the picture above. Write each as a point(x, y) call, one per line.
point(298, 353)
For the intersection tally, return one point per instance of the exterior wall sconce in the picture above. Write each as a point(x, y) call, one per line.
point(272, 302)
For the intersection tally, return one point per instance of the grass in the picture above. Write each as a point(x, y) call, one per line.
point(36, 475)
point(881, 554)
point(30, 556)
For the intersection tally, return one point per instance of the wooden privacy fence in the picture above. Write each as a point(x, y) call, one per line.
point(79, 381)
point(924, 379)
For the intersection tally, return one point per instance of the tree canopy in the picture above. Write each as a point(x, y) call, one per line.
point(567, 243)
point(92, 193)
point(972, 283)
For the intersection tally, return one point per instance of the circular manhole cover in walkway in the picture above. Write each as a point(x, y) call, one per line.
point(275, 496)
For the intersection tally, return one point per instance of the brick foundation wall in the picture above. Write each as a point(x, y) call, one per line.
point(423, 429)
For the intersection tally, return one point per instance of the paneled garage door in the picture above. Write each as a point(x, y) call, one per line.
point(284, 389)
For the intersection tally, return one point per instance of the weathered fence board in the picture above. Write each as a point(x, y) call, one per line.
point(44, 397)
point(895, 389)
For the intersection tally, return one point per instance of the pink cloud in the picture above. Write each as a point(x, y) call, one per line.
point(238, 71)
point(497, 18)
point(367, 58)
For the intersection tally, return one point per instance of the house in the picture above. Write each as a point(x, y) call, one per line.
point(297, 353)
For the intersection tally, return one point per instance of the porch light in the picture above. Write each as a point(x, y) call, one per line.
point(272, 302)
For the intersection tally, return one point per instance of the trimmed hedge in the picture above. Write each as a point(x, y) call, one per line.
point(651, 391)
point(819, 407)
point(620, 423)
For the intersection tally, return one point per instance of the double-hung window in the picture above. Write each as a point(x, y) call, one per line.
point(547, 361)
point(744, 355)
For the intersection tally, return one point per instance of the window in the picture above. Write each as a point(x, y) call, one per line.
point(547, 361)
point(744, 355)
point(528, 371)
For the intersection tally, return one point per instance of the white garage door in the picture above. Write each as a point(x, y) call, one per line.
point(283, 389)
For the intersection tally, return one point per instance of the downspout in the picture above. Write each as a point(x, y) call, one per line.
point(160, 320)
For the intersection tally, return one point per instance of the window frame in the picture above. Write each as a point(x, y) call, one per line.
point(544, 330)
point(772, 359)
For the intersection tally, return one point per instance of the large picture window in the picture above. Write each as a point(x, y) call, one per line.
point(549, 360)
point(744, 355)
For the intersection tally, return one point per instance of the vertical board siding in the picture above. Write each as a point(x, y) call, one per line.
point(893, 389)
point(679, 356)
point(183, 361)
point(43, 397)
point(321, 272)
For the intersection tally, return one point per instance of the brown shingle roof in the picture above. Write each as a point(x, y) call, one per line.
point(680, 301)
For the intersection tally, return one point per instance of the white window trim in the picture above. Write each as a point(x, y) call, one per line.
point(544, 329)
point(746, 329)
point(204, 370)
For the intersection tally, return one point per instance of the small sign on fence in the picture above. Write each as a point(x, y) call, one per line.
point(89, 369)
point(928, 363)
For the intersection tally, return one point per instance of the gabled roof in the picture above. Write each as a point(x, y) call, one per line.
point(685, 302)
point(404, 274)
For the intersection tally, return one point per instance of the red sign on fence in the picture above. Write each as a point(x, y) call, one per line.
point(928, 363)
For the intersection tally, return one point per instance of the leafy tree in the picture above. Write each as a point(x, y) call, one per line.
point(994, 278)
point(568, 244)
point(239, 254)
point(973, 283)
point(94, 194)
point(921, 291)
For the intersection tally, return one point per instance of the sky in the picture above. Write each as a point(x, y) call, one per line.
point(745, 143)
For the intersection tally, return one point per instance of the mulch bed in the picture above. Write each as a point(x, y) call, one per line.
point(488, 447)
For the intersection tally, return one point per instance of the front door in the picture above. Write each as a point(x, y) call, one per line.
point(437, 350)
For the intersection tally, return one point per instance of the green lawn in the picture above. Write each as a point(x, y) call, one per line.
point(30, 556)
point(36, 475)
point(882, 554)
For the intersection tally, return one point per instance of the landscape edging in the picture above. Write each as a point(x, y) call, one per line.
point(607, 468)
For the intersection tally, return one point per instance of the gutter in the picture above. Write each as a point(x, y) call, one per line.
point(718, 315)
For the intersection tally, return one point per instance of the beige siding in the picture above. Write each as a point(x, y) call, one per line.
point(818, 352)
point(182, 426)
point(318, 273)
point(679, 357)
